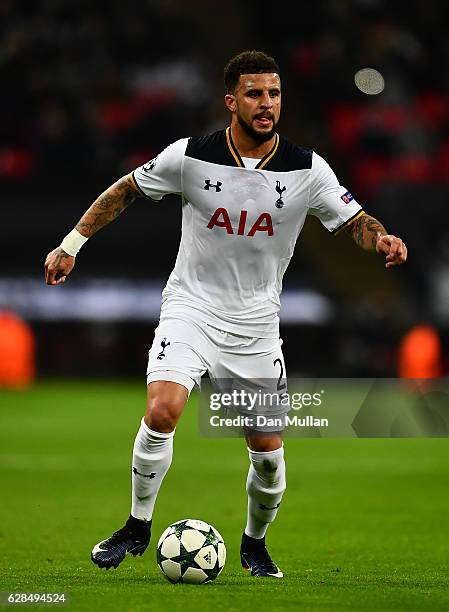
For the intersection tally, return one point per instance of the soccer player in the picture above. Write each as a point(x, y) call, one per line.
point(245, 193)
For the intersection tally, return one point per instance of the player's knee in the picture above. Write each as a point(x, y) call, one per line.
point(264, 443)
point(161, 415)
point(166, 401)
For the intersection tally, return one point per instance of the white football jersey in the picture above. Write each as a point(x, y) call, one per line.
point(240, 226)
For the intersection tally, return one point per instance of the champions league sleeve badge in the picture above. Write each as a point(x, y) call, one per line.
point(347, 197)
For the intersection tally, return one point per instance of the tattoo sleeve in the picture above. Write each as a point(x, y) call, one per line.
point(107, 206)
point(365, 231)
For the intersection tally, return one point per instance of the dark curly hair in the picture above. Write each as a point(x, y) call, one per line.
point(247, 62)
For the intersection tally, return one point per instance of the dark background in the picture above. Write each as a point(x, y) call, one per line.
point(90, 91)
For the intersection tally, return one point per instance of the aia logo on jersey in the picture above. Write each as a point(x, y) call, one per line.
point(347, 197)
point(263, 223)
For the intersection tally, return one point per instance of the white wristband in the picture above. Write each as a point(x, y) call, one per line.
point(73, 242)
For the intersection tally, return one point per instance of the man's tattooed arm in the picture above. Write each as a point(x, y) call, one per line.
point(105, 209)
point(366, 231)
point(107, 206)
point(371, 235)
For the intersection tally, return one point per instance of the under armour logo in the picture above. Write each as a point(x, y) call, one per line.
point(208, 185)
point(280, 190)
point(164, 345)
point(264, 507)
point(152, 475)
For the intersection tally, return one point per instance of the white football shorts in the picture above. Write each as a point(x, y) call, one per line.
point(182, 351)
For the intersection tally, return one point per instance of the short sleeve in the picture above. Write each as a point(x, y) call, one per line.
point(162, 175)
point(332, 203)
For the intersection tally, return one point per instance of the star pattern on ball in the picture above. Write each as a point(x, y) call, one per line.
point(191, 551)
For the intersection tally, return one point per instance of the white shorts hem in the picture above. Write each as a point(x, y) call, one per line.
point(172, 376)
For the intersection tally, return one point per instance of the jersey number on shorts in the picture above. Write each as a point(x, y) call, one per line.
point(281, 385)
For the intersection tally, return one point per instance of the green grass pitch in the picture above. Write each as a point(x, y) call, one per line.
point(364, 524)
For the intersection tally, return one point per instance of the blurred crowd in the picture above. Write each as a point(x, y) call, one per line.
point(90, 90)
point(93, 88)
point(101, 87)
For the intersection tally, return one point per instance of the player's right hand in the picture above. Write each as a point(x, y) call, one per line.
point(58, 266)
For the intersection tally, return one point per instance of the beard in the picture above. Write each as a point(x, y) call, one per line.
point(258, 137)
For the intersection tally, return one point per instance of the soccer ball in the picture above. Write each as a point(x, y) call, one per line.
point(191, 551)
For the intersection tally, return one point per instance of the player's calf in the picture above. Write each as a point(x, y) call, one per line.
point(265, 486)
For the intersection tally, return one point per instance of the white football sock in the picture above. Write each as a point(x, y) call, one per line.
point(152, 455)
point(265, 486)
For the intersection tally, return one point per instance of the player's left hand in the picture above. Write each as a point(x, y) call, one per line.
point(394, 249)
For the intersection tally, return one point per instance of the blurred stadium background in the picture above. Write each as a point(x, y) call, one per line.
point(90, 91)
